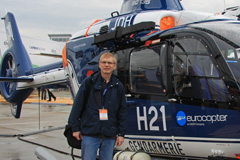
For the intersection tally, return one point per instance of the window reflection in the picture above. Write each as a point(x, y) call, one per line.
point(147, 71)
point(231, 55)
point(195, 74)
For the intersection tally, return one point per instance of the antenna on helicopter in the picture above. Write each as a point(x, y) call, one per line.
point(224, 5)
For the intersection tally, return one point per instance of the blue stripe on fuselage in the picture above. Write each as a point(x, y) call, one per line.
point(147, 118)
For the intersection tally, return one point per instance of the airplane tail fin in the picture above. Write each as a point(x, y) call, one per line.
point(15, 63)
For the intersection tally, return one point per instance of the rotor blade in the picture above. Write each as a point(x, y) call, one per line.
point(11, 87)
point(14, 79)
point(9, 65)
point(48, 55)
point(14, 69)
point(13, 65)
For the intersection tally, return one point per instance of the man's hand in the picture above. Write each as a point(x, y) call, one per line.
point(77, 135)
point(119, 141)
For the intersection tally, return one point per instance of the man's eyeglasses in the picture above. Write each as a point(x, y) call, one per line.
point(105, 62)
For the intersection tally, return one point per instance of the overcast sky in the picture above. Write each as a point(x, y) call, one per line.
point(37, 18)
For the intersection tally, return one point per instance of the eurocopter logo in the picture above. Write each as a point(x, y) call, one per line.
point(199, 120)
point(181, 118)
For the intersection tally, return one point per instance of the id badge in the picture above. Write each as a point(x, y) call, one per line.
point(103, 114)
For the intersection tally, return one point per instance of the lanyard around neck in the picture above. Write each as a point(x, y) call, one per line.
point(103, 96)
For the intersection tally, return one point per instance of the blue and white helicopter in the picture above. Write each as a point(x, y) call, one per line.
point(180, 70)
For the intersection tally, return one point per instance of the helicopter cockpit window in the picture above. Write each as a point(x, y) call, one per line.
point(231, 53)
point(195, 74)
point(147, 70)
point(129, 6)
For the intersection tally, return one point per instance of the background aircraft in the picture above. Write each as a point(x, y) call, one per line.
point(233, 12)
point(35, 47)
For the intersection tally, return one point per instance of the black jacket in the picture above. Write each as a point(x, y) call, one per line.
point(85, 118)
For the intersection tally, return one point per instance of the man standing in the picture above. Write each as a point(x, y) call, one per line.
point(99, 112)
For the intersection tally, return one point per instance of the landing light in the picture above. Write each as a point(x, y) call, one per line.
point(150, 42)
point(237, 155)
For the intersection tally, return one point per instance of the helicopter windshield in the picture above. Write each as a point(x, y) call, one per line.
point(227, 37)
point(129, 6)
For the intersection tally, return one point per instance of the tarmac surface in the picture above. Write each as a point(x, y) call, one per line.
point(40, 127)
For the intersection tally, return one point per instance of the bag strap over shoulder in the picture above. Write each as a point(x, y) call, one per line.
point(89, 87)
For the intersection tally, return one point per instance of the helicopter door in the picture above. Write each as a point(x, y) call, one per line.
point(148, 79)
